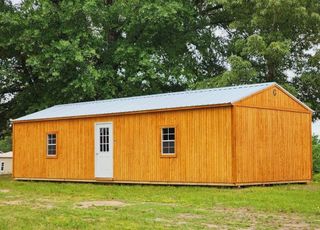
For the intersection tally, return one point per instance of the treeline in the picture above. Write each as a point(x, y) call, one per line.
point(58, 51)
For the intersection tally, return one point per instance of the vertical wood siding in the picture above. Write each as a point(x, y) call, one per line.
point(203, 147)
point(272, 138)
point(272, 145)
point(267, 99)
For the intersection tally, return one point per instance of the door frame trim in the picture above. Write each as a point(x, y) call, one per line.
point(94, 148)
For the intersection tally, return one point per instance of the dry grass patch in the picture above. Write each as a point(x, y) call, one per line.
point(11, 202)
point(257, 218)
point(101, 203)
point(189, 216)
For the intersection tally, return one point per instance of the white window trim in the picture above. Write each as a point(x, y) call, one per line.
point(168, 141)
point(48, 144)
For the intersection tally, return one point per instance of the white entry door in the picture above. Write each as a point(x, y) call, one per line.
point(103, 150)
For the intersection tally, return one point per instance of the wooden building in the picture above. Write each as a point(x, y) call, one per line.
point(250, 134)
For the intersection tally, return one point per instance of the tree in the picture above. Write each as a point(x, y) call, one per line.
point(272, 40)
point(316, 154)
point(54, 51)
point(5, 144)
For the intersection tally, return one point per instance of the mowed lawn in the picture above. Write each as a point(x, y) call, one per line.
point(52, 205)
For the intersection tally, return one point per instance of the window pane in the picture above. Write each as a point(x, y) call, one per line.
point(51, 138)
point(165, 137)
point(165, 150)
point(165, 131)
point(52, 151)
point(171, 144)
point(171, 150)
point(165, 144)
point(171, 130)
point(171, 137)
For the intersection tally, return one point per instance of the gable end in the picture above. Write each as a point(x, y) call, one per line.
point(274, 97)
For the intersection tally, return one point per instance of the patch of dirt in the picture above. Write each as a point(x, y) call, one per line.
point(11, 202)
point(101, 203)
point(256, 218)
point(214, 226)
point(189, 216)
point(307, 187)
point(295, 226)
point(42, 204)
point(4, 190)
point(161, 220)
point(182, 223)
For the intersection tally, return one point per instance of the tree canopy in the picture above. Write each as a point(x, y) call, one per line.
point(58, 51)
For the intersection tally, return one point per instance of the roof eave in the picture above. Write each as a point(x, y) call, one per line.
point(124, 113)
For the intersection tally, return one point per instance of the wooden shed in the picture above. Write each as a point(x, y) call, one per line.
point(249, 134)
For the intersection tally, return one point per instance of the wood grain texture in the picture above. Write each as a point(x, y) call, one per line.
point(203, 147)
point(272, 138)
point(273, 98)
point(272, 145)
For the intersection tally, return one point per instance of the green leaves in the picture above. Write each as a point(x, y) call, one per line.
point(277, 51)
point(241, 72)
point(6, 144)
point(55, 52)
point(316, 154)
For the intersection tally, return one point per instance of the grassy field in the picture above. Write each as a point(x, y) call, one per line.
point(50, 205)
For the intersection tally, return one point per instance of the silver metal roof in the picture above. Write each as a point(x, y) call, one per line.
point(202, 97)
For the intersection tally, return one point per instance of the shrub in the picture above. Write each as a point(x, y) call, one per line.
point(5, 144)
point(316, 154)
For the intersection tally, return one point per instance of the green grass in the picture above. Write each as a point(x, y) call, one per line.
point(51, 205)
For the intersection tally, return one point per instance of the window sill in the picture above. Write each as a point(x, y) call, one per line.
point(168, 155)
point(52, 157)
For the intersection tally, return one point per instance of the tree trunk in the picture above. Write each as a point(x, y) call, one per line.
point(271, 72)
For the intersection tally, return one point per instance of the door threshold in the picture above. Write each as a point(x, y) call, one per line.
point(103, 178)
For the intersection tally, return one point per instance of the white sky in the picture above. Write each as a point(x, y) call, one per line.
point(15, 1)
point(316, 128)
